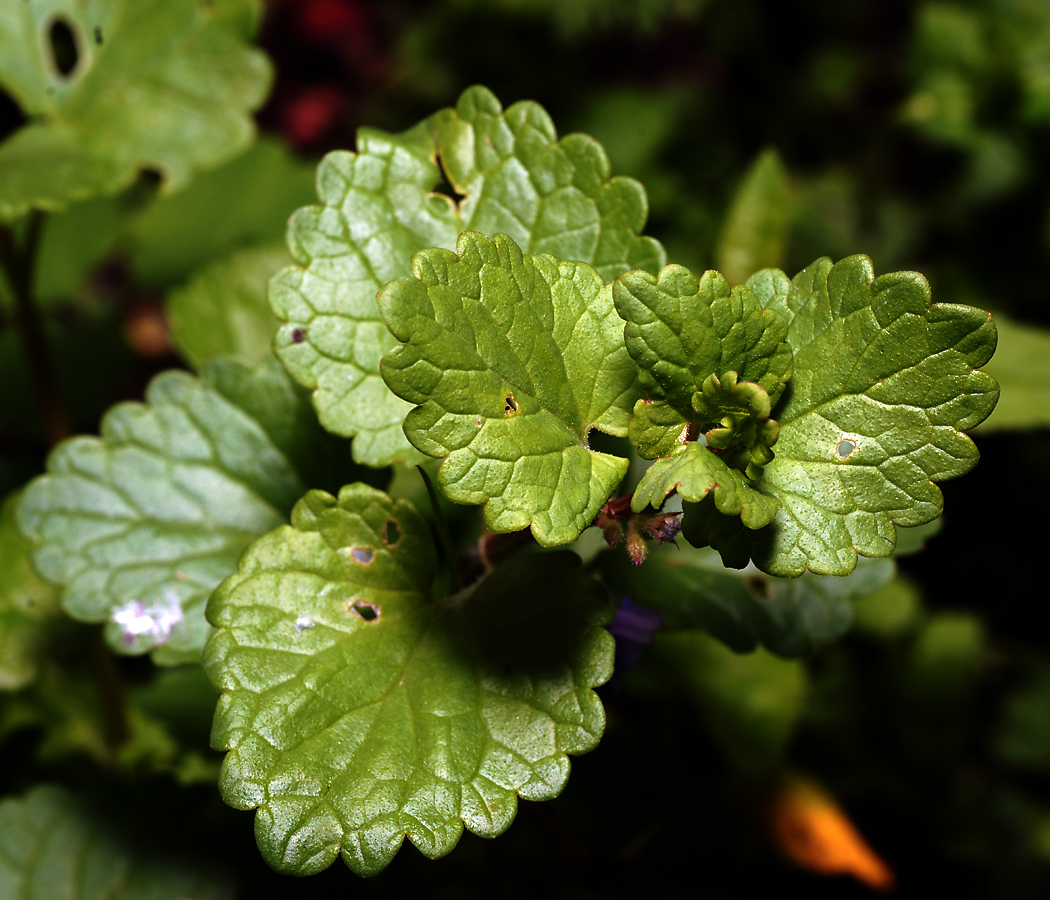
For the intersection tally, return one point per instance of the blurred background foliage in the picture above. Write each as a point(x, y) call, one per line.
point(916, 749)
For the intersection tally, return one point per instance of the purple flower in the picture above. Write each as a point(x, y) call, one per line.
point(633, 628)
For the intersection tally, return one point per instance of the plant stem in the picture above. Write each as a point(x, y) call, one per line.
point(18, 263)
point(442, 527)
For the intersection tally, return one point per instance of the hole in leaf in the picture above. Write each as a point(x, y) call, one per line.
point(444, 186)
point(758, 586)
point(298, 335)
point(845, 448)
point(363, 555)
point(367, 611)
point(64, 50)
point(11, 116)
point(510, 405)
point(391, 534)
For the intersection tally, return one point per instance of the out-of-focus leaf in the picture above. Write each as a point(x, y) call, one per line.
point(1021, 365)
point(29, 610)
point(358, 709)
point(751, 702)
point(892, 611)
point(140, 525)
point(514, 176)
point(160, 84)
point(791, 617)
point(54, 846)
point(244, 203)
point(1023, 737)
point(222, 310)
point(73, 243)
point(884, 384)
point(513, 359)
point(755, 232)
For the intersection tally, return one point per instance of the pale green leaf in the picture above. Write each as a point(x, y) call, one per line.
point(790, 617)
point(884, 384)
point(755, 232)
point(29, 611)
point(379, 208)
point(55, 846)
point(140, 525)
point(222, 310)
point(161, 84)
point(680, 330)
point(359, 710)
point(512, 360)
point(1021, 365)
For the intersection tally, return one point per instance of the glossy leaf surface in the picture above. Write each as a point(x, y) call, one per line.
point(162, 84)
point(884, 383)
point(378, 208)
point(358, 709)
point(140, 525)
point(512, 360)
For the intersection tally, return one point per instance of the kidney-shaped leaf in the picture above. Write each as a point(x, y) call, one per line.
point(114, 86)
point(140, 525)
point(358, 709)
point(378, 209)
point(884, 384)
point(512, 360)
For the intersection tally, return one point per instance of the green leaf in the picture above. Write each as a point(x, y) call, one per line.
point(55, 845)
point(223, 311)
point(755, 232)
point(693, 472)
point(514, 176)
point(359, 710)
point(140, 525)
point(512, 360)
point(29, 610)
point(884, 384)
point(244, 203)
point(681, 330)
point(791, 617)
point(160, 84)
point(1022, 367)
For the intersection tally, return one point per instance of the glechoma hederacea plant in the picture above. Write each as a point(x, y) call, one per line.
point(386, 671)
